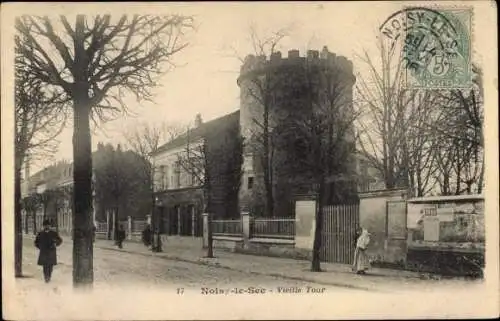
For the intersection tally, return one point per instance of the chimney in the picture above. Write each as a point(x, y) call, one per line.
point(293, 53)
point(324, 53)
point(197, 120)
point(275, 56)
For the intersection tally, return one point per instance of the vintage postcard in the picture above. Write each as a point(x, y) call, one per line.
point(240, 160)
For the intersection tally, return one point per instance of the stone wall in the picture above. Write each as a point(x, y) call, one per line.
point(373, 217)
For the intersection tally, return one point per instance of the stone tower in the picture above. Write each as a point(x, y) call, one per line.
point(281, 88)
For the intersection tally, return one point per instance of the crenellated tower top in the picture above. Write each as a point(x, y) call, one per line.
point(255, 65)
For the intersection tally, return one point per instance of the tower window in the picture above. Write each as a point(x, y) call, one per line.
point(250, 183)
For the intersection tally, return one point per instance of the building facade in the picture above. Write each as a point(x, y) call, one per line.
point(197, 172)
point(47, 195)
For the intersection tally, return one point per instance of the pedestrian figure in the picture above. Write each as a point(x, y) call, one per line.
point(361, 261)
point(146, 235)
point(357, 234)
point(157, 244)
point(47, 241)
point(120, 236)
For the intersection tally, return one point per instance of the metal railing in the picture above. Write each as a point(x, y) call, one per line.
point(273, 227)
point(138, 225)
point(101, 227)
point(227, 227)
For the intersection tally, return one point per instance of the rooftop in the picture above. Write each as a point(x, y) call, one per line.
point(197, 133)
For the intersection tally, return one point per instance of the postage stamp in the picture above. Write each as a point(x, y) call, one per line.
point(435, 45)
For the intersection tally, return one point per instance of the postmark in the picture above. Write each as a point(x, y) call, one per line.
point(435, 45)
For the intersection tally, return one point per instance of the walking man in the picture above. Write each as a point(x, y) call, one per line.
point(146, 236)
point(47, 241)
point(120, 236)
point(157, 243)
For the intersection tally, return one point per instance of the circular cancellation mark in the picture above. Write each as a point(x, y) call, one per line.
point(436, 45)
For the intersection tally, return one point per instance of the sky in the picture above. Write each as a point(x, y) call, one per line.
point(204, 80)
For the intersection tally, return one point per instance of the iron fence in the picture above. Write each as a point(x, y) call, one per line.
point(274, 227)
point(138, 225)
point(227, 227)
point(101, 227)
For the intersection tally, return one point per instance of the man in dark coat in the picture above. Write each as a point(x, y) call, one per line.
point(146, 235)
point(120, 236)
point(157, 244)
point(47, 241)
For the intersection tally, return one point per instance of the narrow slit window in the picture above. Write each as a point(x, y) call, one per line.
point(250, 183)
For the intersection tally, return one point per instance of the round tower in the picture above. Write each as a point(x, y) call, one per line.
point(276, 93)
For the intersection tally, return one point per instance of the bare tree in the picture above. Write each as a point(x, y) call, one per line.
point(39, 121)
point(458, 129)
point(325, 136)
point(94, 62)
point(393, 133)
point(382, 129)
point(145, 139)
point(195, 161)
point(420, 139)
point(419, 145)
point(213, 159)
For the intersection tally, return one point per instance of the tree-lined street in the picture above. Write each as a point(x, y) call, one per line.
point(329, 176)
point(184, 265)
point(120, 268)
point(133, 279)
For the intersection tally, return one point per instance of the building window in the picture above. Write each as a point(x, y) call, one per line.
point(176, 177)
point(161, 173)
point(250, 183)
point(248, 163)
point(165, 177)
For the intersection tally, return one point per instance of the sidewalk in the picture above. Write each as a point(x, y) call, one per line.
point(377, 279)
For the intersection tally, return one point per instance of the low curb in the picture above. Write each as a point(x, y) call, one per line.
point(218, 265)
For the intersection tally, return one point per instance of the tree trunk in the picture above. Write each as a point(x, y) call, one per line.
point(208, 210)
point(45, 201)
point(116, 223)
point(34, 221)
point(153, 215)
point(83, 274)
point(18, 225)
point(316, 263)
point(268, 172)
point(26, 220)
point(481, 178)
point(57, 217)
point(210, 248)
point(207, 197)
point(108, 225)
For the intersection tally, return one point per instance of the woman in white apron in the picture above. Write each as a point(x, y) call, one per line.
point(361, 261)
